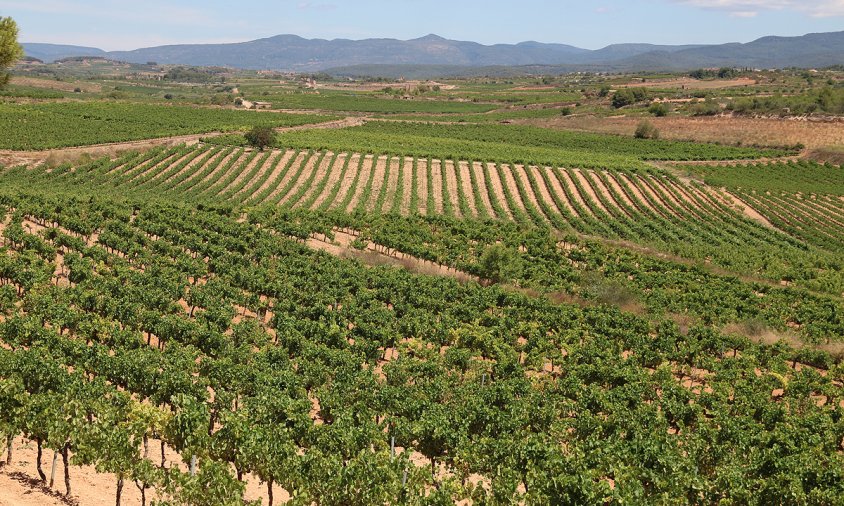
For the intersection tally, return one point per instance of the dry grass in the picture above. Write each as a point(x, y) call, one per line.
point(722, 129)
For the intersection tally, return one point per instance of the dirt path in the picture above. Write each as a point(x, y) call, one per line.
point(358, 189)
point(310, 166)
point(19, 484)
point(266, 166)
point(346, 184)
point(544, 193)
point(393, 183)
point(301, 158)
point(407, 186)
point(375, 255)
point(377, 182)
point(437, 184)
point(276, 170)
point(192, 167)
point(590, 192)
point(520, 171)
point(451, 183)
point(567, 182)
point(466, 184)
point(322, 171)
point(746, 209)
point(333, 177)
point(478, 171)
point(422, 182)
point(497, 186)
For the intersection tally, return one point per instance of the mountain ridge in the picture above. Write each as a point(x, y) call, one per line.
point(288, 52)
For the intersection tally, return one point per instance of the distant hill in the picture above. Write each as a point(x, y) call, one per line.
point(51, 52)
point(438, 56)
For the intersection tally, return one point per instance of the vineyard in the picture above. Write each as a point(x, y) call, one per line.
point(62, 124)
point(412, 305)
point(645, 206)
point(227, 353)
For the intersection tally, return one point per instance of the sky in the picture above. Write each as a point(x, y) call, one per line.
point(124, 24)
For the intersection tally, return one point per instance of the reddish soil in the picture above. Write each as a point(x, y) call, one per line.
point(497, 188)
point(301, 158)
point(321, 172)
point(724, 129)
point(345, 186)
point(377, 182)
point(422, 184)
point(392, 183)
point(437, 183)
point(478, 170)
point(407, 187)
point(364, 177)
point(451, 181)
point(466, 186)
point(334, 176)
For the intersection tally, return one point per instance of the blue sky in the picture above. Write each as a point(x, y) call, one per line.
point(124, 24)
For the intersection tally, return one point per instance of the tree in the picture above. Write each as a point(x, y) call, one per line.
point(10, 50)
point(499, 264)
point(260, 137)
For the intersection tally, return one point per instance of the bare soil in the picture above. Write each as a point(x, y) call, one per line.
point(437, 184)
point(422, 184)
point(724, 129)
point(497, 188)
point(477, 169)
point(377, 182)
point(407, 187)
point(364, 177)
point(346, 185)
point(333, 177)
point(451, 182)
point(276, 171)
point(466, 186)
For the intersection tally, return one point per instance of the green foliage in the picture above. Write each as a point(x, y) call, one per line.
point(658, 109)
point(10, 50)
point(629, 96)
point(499, 264)
point(260, 137)
point(646, 130)
point(61, 124)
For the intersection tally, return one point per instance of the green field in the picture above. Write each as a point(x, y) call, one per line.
point(427, 311)
point(63, 124)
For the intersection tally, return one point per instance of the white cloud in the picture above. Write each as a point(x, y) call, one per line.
point(750, 8)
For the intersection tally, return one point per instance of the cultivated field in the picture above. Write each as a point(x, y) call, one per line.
point(424, 308)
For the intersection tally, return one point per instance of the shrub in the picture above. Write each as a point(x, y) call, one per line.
point(646, 130)
point(260, 137)
point(565, 111)
point(659, 110)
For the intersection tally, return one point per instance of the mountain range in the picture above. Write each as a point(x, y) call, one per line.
point(343, 56)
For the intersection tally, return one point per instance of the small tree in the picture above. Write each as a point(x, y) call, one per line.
point(499, 264)
point(260, 137)
point(10, 50)
point(646, 130)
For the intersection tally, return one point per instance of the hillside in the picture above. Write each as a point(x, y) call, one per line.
point(290, 52)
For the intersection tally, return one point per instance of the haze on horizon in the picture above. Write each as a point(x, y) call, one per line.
point(125, 25)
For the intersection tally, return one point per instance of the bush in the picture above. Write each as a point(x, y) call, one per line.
point(499, 264)
point(565, 111)
point(260, 137)
point(629, 96)
point(168, 96)
point(646, 130)
point(659, 110)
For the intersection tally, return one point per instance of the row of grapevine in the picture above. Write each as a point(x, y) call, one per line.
point(248, 356)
